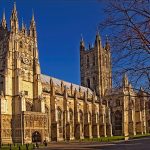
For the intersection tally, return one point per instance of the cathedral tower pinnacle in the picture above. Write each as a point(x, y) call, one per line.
point(82, 46)
point(32, 30)
point(97, 39)
point(14, 24)
point(3, 22)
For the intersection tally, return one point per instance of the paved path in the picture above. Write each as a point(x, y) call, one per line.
point(137, 144)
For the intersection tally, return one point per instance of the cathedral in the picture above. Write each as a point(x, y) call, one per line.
point(35, 107)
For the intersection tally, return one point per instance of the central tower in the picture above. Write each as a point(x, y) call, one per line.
point(95, 66)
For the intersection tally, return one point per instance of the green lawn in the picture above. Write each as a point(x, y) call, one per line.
point(16, 147)
point(114, 138)
point(105, 139)
point(139, 136)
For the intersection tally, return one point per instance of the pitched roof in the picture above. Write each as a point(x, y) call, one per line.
point(46, 80)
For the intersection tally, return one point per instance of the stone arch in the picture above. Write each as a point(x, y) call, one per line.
point(36, 137)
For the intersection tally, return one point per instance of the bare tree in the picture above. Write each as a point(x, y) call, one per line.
point(127, 23)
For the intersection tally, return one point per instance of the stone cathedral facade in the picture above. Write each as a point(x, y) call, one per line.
point(36, 107)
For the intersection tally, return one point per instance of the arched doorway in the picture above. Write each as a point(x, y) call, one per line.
point(36, 137)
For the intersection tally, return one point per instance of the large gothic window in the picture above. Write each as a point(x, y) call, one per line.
point(118, 120)
point(60, 119)
point(90, 117)
point(97, 117)
point(71, 121)
point(81, 120)
point(71, 115)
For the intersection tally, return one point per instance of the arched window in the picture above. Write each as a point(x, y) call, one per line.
point(28, 106)
point(81, 116)
point(90, 117)
point(93, 60)
point(81, 120)
point(97, 117)
point(104, 102)
point(88, 83)
point(71, 115)
point(106, 83)
point(60, 122)
point(118, 120)
point(88, 61)
point(21, 44)
point(71, 121)
point(118, 103)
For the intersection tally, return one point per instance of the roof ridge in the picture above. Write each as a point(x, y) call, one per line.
point(66, 82)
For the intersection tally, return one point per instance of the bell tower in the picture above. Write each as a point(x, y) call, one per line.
point(95, 66)
point(19, 64)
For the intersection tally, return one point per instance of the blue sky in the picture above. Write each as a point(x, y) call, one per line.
point(60, 24)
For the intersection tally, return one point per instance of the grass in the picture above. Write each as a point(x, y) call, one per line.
point(104, 139)
point(139, 136)
point(16, 147)
point(114, 138)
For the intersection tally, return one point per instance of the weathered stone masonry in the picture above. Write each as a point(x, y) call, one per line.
point(36, 107)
